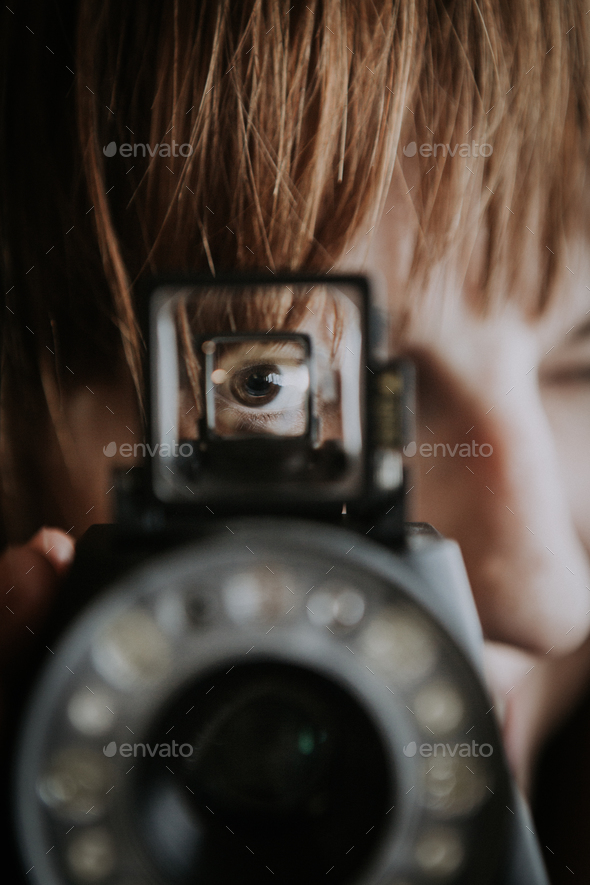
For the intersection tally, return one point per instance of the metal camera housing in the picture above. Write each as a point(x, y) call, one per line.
point(310, 662)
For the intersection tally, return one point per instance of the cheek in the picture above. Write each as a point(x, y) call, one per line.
point(510, 512)
point(568, 410)
point(449, 473)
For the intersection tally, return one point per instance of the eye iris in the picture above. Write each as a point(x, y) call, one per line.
point(257, 386)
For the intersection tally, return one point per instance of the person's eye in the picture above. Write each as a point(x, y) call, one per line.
point(262, 398)
point(257, 386)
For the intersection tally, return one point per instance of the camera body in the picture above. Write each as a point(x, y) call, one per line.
point(267, 671)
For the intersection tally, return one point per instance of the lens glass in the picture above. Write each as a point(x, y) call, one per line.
point(277, 767)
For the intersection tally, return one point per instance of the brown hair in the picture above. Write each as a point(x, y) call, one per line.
point(293, 117)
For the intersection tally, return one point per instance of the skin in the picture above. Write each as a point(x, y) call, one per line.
point(521, 515)
point(29, 577)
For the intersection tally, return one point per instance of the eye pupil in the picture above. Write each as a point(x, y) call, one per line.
point(258, 383)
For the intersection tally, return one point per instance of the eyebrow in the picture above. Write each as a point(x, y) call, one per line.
point(582, 331)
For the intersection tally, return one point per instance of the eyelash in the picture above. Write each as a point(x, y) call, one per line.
point(248, 420)
point(566, 376)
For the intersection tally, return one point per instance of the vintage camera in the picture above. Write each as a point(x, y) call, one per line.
point(267, 674)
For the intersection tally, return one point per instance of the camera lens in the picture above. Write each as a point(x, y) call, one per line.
point(267, 750)
point(281, 768)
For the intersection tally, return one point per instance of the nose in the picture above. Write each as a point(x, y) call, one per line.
point(487, 474)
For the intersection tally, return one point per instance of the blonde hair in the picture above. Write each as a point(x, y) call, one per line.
point(293, 118)
point(291, 121)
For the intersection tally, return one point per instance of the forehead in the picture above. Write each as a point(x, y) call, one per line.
point(426, 298)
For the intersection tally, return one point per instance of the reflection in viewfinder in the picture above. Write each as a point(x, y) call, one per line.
point(257, 385)
point(265, 382)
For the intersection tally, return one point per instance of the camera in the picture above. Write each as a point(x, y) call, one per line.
point(262, 672)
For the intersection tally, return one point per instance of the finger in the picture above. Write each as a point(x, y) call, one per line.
point(58, 547)
point(28, 579)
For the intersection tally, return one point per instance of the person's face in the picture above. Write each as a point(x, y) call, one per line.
point(502, 465)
